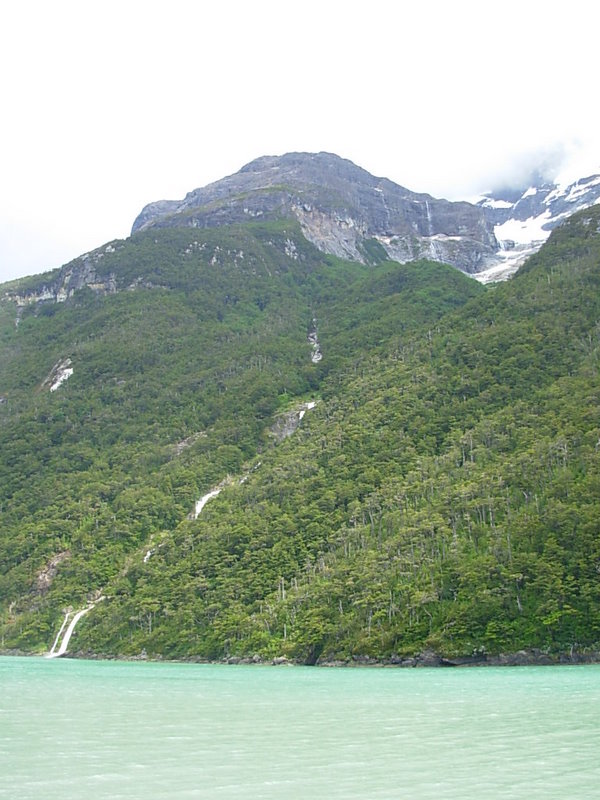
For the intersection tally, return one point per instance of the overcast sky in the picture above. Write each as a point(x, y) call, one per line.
point(107, 106)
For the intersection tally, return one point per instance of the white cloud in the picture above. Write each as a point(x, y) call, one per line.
point(110, 106)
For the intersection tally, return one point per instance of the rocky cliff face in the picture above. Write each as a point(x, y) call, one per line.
point(61, 284)
point(340, 207)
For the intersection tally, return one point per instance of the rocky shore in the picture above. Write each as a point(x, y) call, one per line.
point(427, 659)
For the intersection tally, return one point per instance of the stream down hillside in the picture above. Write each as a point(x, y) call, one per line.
point(285, 426)
point(439, 503)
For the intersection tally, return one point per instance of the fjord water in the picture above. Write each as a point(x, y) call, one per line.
point(90, 729)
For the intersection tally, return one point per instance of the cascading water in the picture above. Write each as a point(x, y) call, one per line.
point(204, 500)
point(51, 654)
point(62, 649)
point(60, 645)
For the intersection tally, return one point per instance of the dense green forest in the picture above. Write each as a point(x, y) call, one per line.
point(442, 494)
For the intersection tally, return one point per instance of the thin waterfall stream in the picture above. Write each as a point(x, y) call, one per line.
point(60, 645)
point(59, 648)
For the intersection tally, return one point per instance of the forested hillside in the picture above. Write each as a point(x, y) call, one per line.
point(442, 494)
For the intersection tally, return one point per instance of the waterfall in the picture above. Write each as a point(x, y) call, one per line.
point(54, 653)
point(62, 644)
point(204, 500)
point(429, 219)
point(306, 407)
point(59, 634)
point(313, 340)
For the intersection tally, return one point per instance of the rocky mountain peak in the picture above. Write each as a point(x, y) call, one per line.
point(340, 207)
point(343, 209)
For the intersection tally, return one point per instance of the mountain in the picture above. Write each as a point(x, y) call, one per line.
point(346, 212)
point(342, 209)
point(218, 441)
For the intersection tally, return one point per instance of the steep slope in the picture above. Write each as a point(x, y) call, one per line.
point(443, 496)
point(135, 396)
point(440, 495)
point(340, 207)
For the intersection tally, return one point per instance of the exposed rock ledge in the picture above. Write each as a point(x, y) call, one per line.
point(46, 575)
point(287, 422)
point(75, 276)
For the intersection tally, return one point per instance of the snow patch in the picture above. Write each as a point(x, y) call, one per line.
point(488, 202)
point(524, 231)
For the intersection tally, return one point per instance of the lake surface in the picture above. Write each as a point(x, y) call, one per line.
point(85, 730)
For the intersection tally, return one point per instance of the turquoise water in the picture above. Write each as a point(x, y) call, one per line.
point(88, 730)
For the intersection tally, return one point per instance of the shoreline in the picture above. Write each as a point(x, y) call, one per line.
point(425, 660)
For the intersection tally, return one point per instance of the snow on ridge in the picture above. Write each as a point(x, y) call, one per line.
point(572, 192)
point(579, 188)
point(554, 195)
point(474, 199)
point(574, 172)
point(549, 205)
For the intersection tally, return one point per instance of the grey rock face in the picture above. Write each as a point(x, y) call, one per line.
point(287, 422)
point(339, 206)
point(63, 283)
